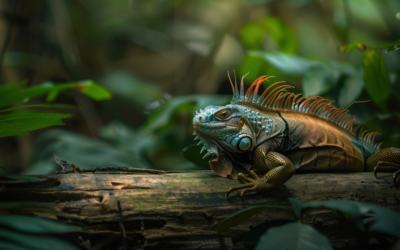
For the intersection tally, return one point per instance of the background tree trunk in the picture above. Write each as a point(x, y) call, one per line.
point(180, 210)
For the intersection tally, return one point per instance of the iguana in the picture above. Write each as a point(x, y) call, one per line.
point(280, 132)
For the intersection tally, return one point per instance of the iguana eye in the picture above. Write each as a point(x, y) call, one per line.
point(223, 114)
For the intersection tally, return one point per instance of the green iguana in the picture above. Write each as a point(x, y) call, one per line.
point(280, 132)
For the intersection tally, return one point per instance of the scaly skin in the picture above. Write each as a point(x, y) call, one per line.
point(279, 135)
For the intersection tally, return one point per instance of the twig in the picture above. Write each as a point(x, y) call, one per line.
point(111, 168)
point(357, 102)
point(121, 226)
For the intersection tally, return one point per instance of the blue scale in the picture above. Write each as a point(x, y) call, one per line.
point(229, 139)
point(269, 125)
point(259, 123)
point(234, 142)
point(267, 132)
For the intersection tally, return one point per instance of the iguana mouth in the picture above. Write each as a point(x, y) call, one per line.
point(216, 125)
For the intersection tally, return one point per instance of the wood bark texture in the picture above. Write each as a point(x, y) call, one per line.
point(180, 210)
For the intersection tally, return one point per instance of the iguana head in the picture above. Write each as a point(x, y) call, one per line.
point(225, 131)
point(225, 126)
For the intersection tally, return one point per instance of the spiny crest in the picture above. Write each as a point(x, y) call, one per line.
point(279, 99)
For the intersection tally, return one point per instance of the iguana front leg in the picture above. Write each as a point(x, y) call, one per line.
point(279, 167)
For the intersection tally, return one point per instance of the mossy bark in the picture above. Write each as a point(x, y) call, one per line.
point(180, 210)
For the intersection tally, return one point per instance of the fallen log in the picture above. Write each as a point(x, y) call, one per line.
point(180, 210)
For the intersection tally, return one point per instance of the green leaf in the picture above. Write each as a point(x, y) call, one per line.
point(20, 123)
point(126, 149)
point(36, 242)
point(384, 221)
point(283, 35)
point(53, 94)
point(287, 64)
point(192, 154)
point(36, 225)
point(376, 77)
point(25, 178)
point(293, 236)
point(350, 91)
point(351, 46)
point(251, 238)
point(242, 215)
point(164, 114)
point(23, 116)
point(318, 81)
point(13, 93)
point(251, 35)
point(93, 90)
point(40, 106)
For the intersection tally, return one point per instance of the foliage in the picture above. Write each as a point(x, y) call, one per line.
point(277, 234)
point(294, 235)
point(19, 120)
point(253, 36)
point(31, 232)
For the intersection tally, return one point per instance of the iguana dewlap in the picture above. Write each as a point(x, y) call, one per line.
point(280, 132)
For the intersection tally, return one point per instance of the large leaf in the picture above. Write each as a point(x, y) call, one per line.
point(20, 123)
point(36, 225)
point(36, 242)
point(251, 238)
point(293, 236)
point(383, 220)
point(39, 106)
point(318, 81)
point(287, 64)
point(292, 65)
point(89, 152)
point(376, 77)
point(29, 116)
point(242, 215)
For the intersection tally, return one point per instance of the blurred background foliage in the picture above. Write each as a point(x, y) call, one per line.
point(161, 60)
